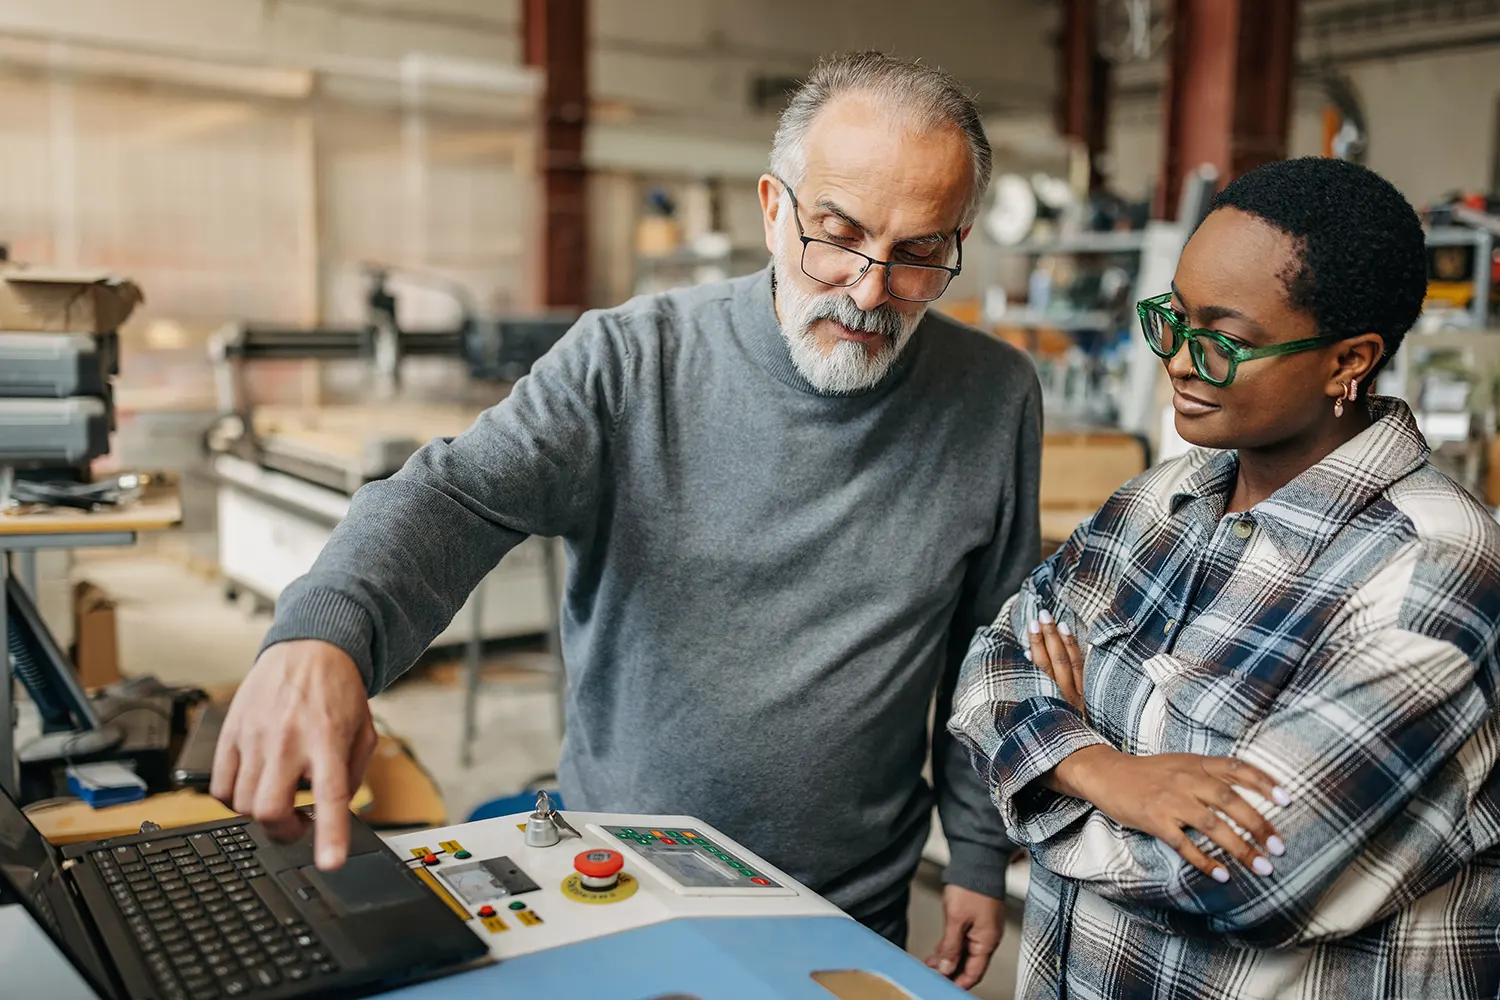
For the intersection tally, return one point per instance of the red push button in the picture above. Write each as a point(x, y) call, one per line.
point(665, 840)
point(486, 911)
point(599, 864)
point(761, 881)
point(430, 859)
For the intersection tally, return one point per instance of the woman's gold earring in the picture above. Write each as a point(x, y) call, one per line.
point(1338, 404)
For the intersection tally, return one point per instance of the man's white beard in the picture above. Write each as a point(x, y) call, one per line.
point(848, 367)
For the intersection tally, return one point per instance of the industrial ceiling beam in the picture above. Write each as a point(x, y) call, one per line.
point(556, 41)
point(1229, 89)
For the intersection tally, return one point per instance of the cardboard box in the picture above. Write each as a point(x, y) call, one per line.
point(96, 651)
point(49, 300)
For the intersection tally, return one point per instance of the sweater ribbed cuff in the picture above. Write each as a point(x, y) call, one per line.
point(976, 867)
point(332, 617)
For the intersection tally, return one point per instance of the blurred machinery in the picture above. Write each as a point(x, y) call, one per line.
point(286, 474)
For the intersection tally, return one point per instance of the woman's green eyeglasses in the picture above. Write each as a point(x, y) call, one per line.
point(1215, 357)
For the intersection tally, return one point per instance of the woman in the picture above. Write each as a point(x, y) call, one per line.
point(1269, 769)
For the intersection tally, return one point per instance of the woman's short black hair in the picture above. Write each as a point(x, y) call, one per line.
point(1361, 264)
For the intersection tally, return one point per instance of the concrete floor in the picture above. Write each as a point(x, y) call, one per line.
point(173, 622)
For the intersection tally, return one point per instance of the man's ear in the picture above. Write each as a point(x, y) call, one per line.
point(770, 208)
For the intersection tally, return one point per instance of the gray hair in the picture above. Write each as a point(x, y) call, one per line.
point(928, 98)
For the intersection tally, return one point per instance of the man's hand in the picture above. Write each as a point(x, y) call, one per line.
point(301, 712)
point(1167, 794)
point(1054, 650)
point(972, 926)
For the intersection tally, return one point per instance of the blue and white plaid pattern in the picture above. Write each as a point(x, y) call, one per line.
point(1341, 635)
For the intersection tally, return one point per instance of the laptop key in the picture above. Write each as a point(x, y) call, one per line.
point(234, 986)
point(276, 945)
point(328, 968)
point(275, 900)
point(162, 846)
point(286, 959)
point(296, 973)
point(126, 855)
point(237, 937)
point(264, 977)
point(203, 844)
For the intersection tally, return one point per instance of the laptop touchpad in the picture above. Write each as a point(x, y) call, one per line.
point(365, 882)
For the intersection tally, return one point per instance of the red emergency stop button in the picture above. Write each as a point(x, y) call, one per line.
point(486, 911)
point(599, 864)
point(429, 859)
point(600, 869)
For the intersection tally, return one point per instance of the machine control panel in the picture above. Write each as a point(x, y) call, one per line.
point(692, 860)
point(603, 874)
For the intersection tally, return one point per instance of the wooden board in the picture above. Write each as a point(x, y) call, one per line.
point(156, 512)
point(76, 821)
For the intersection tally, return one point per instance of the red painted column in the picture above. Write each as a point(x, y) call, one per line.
point(556, 41)
point(1229, 89)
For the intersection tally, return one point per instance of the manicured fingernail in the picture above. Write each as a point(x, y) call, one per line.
point(1045, 616)
point(1035, 627)
point(1282, 798)
point(946, 967)
point(1063, 628)
point(1275, 846)
point(1026, 653)
point(1220, 875)
point(1262, 866)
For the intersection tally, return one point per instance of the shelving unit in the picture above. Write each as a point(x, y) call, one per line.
point(1071, 389)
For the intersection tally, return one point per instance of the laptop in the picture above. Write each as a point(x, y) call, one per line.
point(219, 910)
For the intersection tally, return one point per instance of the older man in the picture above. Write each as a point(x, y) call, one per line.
point(788, 502)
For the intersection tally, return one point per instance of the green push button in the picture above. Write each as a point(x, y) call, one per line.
point(518, 905)
point(462, 855)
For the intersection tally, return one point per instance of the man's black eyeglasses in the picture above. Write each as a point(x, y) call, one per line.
point(841, 267)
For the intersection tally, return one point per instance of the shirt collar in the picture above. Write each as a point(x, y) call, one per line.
point(1305, 514)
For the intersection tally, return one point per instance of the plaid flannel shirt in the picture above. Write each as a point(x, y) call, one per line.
point(1342, 636)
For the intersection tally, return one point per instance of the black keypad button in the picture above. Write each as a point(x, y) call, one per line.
point(287, 958)
point(305, 941)
point(277, 945)
point(264, 977)
point(296, 973)
point(234, 986)
point(328, 968)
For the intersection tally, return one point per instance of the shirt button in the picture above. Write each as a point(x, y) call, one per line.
point(1243, 529)
point(1169, 626)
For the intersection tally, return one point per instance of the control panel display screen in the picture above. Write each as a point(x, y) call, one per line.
point(488, 880)
point(692, 860)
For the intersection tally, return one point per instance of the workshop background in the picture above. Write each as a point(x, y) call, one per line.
point(354, 222)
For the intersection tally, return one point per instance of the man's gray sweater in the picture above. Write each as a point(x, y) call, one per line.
point(766, 585)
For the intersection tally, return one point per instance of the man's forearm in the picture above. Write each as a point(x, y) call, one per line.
point(393, 575)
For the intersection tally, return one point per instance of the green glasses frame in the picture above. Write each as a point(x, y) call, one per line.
point(1160, 306)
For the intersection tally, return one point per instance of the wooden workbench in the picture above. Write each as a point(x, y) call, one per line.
point(156, 512)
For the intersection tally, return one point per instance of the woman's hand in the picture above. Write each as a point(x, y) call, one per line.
point(1054, 651)
point(1167, 794)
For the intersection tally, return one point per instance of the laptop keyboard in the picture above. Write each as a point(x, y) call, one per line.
point(207, 919)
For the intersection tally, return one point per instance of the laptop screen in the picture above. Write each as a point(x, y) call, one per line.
point(31, 876)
